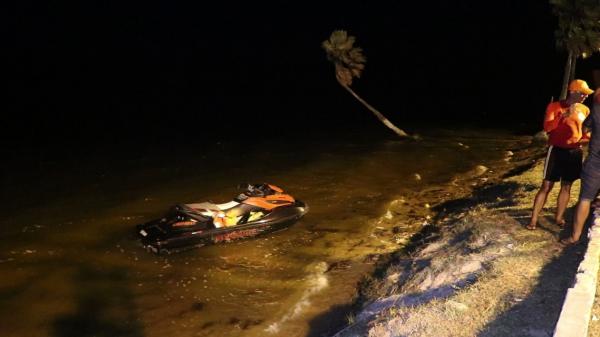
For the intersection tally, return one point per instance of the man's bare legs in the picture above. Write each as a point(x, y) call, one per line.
point(540, 201)
point(563, 200)
point(581, 214)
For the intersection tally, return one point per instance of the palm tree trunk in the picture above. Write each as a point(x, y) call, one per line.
point(573, 66)
point(380, 116)
point(567, 75)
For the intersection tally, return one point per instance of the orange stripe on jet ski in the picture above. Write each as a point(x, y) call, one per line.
point(271, 201)
point(184, 223)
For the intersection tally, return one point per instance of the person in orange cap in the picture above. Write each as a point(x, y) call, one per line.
point(563, 123)
point(590, 174)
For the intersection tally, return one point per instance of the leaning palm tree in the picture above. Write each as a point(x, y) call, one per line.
point(349, 62)
point(578, 32)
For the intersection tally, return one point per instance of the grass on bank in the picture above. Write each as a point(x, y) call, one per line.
point(519, 289)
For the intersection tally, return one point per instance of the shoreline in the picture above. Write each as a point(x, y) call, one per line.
point(475, 270)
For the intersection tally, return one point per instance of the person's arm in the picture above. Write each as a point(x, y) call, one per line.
point(552, 117)
point(579, 113)
point(575, 131)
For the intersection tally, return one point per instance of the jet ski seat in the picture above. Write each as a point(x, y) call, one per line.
point(211, 206)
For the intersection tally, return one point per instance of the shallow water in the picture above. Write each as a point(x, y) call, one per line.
point(70, 265)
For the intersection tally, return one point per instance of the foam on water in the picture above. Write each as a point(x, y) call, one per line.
point(316, 281)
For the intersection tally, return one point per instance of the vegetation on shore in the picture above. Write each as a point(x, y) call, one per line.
point(475, 270)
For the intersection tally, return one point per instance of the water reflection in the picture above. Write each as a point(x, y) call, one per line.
point(72, 266)
point(104, 305)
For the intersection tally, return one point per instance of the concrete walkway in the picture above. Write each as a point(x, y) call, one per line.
point(576, 312)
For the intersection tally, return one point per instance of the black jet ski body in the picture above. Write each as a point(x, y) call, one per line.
point(261, 209)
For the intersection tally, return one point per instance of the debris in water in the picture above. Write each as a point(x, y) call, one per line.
point(401, 240)
point(480, 169)
point(343, 264)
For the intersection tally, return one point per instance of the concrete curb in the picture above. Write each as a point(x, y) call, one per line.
point(575, 315)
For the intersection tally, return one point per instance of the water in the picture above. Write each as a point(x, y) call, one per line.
point(71, 266)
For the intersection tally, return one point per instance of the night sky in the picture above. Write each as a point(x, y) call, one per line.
point(94, 72)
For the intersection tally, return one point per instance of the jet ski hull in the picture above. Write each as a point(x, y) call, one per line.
point(159, 238)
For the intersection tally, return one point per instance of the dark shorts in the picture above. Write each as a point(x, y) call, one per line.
point(590, 178)
point(563, 164)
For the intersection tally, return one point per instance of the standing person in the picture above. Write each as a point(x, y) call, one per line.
point(590, 175)
point(563, 123)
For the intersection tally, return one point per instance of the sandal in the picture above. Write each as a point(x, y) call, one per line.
point(531, 227)
point(568, 241)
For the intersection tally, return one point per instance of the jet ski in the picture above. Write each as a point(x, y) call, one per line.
point(259, 209)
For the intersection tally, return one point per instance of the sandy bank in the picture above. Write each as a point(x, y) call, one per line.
point(475, 270)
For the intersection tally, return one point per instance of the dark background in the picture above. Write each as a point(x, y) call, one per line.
point(111, 72)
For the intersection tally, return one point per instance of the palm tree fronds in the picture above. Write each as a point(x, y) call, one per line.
point(578, 32)
point(578, 25)
point(349, 60)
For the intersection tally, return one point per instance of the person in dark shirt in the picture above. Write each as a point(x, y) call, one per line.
point(562, 122)
point(590, 174)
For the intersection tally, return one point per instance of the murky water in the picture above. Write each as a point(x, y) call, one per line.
point(70, 265)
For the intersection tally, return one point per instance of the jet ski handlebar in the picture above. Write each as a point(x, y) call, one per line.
point(259, 190)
